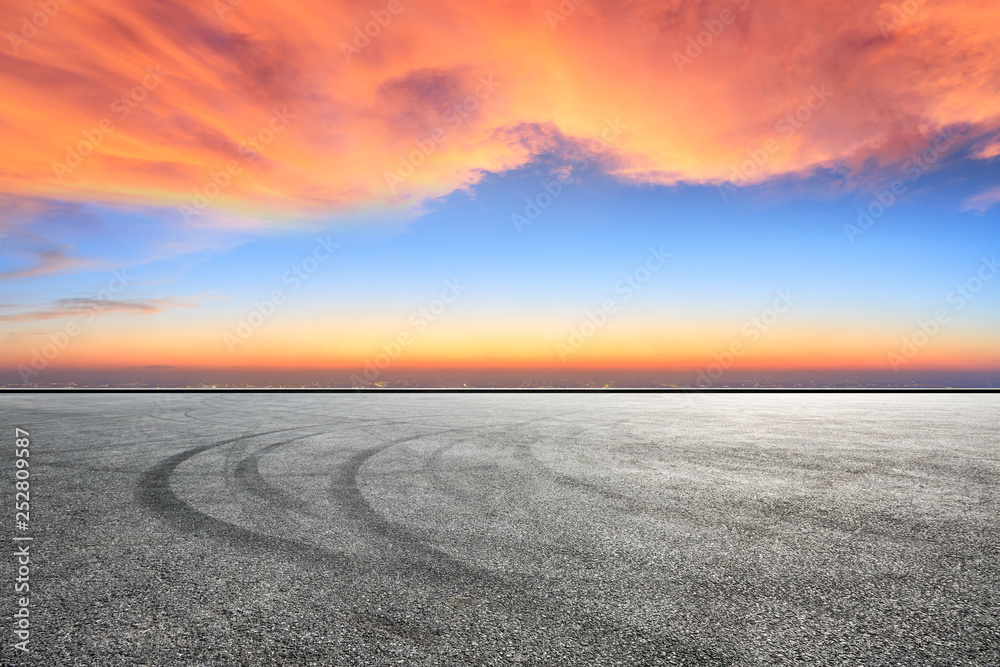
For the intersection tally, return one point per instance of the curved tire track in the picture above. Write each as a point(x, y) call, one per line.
point(246, 472)
point(348, 495)
point(514, 596)
point(248, 478)
point(156, 496)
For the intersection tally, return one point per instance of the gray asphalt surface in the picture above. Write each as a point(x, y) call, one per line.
point(446, 529)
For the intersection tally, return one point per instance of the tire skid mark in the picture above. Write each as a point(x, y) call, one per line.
point(524, 452)
point(490, 584)
point(516, 602)
point(167, 419)
point(155, 495)
point(437, 472)
point(187, 413)
point(430, 559)
point(246, 472)
point(347, 491)
point(247, 476)
point(439, 475)
point(344, 487)
point(433, 466)
point(628, 502)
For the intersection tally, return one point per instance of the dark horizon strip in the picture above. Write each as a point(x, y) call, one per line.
point(505, 390)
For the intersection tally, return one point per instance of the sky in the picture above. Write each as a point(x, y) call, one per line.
point(711, 192)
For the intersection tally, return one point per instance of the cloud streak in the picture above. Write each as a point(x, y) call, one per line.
point(48, 261)
point(897, 81)
point(982, 202)
point(73, 307)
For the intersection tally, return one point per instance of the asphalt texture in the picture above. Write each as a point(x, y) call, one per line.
point(453, 529)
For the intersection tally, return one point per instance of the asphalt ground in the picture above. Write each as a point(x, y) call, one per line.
point(499, 529)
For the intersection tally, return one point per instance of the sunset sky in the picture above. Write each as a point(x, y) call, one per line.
point(363, 189)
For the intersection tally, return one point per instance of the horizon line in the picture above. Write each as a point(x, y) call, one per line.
point(498, 390)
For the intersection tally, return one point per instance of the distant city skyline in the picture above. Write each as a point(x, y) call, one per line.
point(186, 378)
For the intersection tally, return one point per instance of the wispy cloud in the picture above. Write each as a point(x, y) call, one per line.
point(983, 201)
point(989, 150)
point(74, 307)
point(48, 261)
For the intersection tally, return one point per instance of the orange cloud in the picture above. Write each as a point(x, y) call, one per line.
point(990, 151)
point(266, 108)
